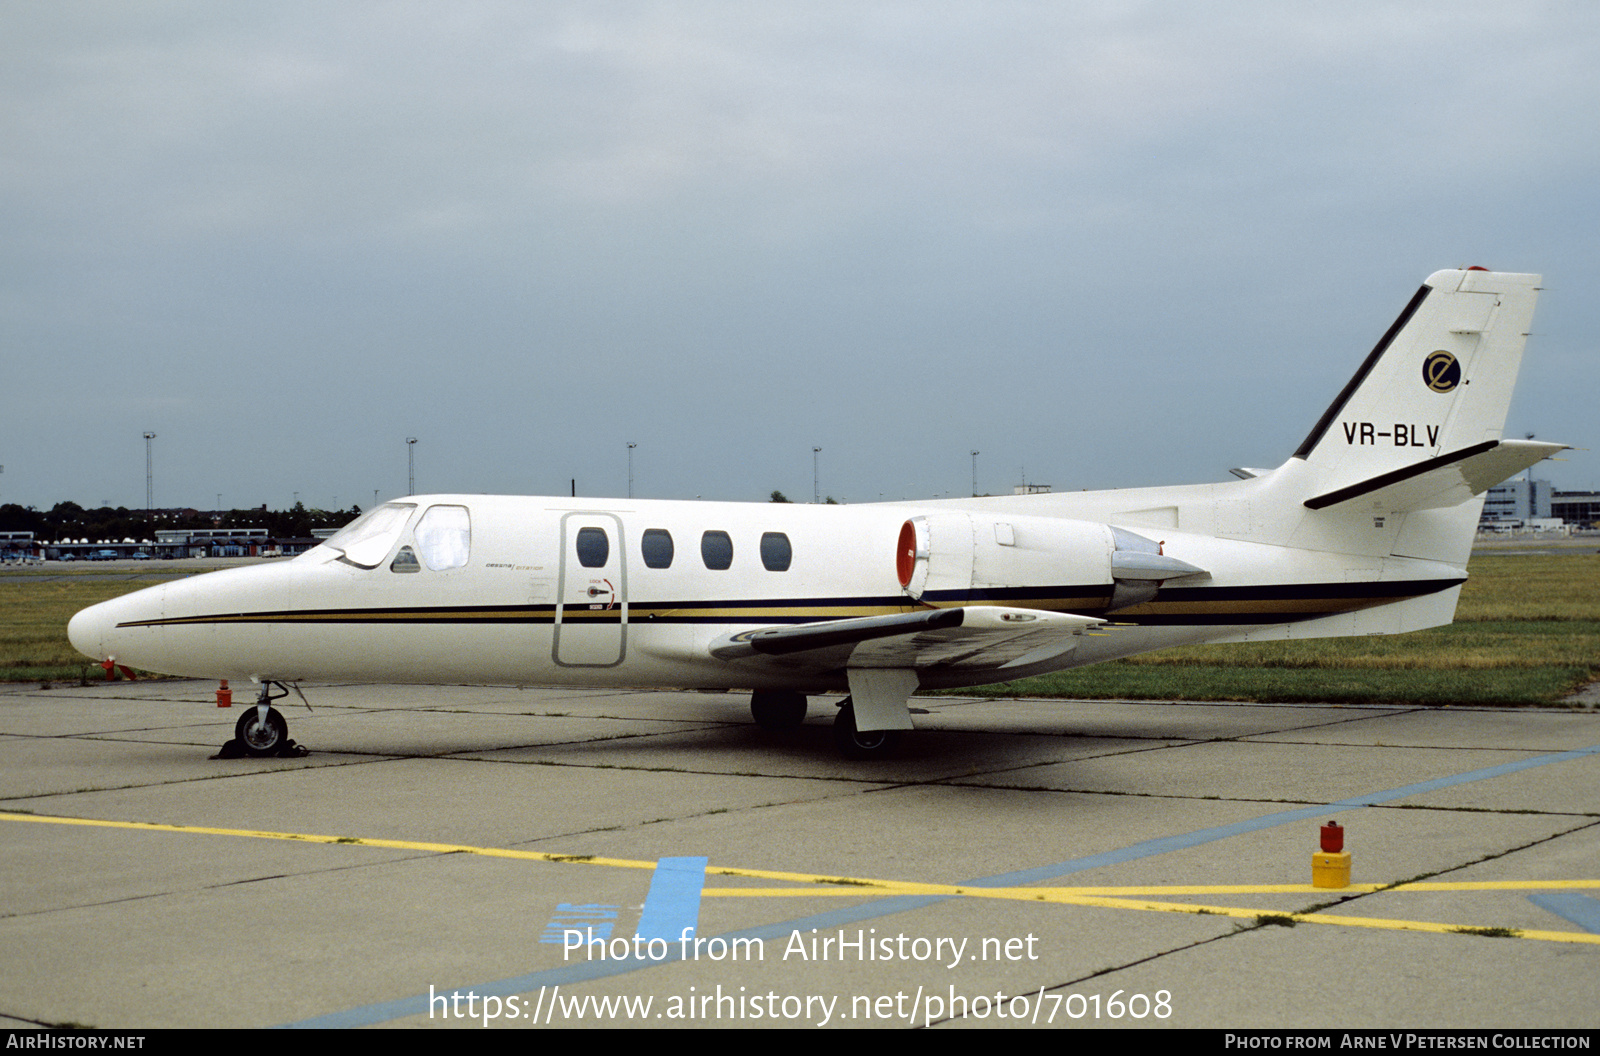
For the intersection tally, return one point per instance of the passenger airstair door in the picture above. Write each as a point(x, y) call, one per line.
point(592, 606)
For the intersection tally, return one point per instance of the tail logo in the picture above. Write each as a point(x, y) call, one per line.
point(1441, 372)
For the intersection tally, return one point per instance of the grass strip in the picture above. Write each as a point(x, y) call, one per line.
point(1527, 632)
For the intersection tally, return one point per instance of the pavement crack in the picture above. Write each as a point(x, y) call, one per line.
point(1422, 877)
point(1098, 973)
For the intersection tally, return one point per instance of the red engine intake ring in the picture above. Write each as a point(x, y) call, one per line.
point(905, 558)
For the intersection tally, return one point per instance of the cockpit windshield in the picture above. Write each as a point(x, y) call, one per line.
point(367, 540)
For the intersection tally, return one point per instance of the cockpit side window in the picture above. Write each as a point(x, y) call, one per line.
point(367, 540)
point(405, 560)
point(444, 537)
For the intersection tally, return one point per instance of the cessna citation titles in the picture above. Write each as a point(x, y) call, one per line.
point(1364, 530)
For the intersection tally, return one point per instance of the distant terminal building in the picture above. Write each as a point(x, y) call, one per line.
point(212, 542)
point(1534, 504)
point(1580, 509)
point(1030, 489)
point(168, 543)
point(18, 546)
point(228, 542)
point(1516, 504)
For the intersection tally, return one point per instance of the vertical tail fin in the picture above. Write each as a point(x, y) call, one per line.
point(1398, 464)
point(1437, 384)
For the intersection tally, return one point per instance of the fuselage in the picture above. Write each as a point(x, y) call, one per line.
point(528, 590)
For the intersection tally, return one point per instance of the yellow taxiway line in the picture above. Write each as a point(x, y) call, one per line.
point(818, 885)
point(899, 887)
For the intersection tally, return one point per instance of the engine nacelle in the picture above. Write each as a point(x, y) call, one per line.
point(1041, 562)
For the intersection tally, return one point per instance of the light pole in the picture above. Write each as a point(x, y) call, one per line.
point(816, 490)
point(630, 469)
point(974, 474)
point(411, 465)
point(149, 475)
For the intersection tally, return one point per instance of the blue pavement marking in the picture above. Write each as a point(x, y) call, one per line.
point(367, 1015)
point(1167, 844)
point(590, 918)
point(1570, 905)
point(672, 908)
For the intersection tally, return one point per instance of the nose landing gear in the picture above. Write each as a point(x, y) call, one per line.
point(262, 730)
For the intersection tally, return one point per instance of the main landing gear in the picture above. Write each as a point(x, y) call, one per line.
point(781, 709)
point(777, 709)
point(854, 744)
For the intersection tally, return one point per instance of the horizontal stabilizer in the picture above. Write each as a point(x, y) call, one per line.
point(981, 636)
point(1442, 482)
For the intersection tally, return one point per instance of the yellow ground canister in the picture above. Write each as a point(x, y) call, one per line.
point(1330, 870)
point(1330, 866)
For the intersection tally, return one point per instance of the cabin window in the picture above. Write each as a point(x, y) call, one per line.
point(405, 561)
point(444, 535)
point(776, 553)
point(716, 550)
point(656, 546)
point(594, 549)
point(367, 540)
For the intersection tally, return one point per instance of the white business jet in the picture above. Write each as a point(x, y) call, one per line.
point(1366, 529)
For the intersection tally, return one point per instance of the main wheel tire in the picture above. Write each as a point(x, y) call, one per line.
point(777, 709)
point(261, 738)
point(874, 744)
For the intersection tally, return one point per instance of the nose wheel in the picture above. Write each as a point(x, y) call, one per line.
point(261, 730)
point(261, 734)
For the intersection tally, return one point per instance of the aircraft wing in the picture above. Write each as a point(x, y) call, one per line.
point(1449, 480)
point(972, 636)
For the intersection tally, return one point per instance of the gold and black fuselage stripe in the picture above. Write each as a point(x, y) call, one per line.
point(1172, 606)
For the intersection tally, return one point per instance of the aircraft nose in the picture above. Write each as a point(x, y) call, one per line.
point(87, 630)
point(95, 633)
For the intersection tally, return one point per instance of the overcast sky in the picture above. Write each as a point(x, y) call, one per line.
point(1104, 244)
